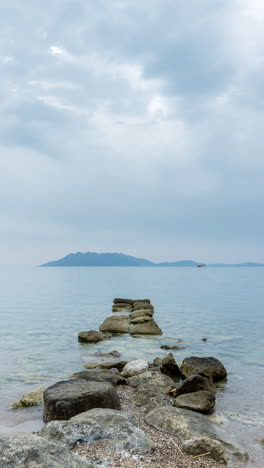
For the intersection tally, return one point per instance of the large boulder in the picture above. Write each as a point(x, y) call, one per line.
point(209, 365)
point(91, 336)
point(100, 424)
point(194, 384)
point(134, 368)
point(201, 401)
point(32, 451)
point(115, 324)
point(118, 300)
point(147, 328)
point(201, 445)
point(100, 375)
point(33, 398)
point(160, 381)
point(67, 398)
point(106, 364)
point(169, 366)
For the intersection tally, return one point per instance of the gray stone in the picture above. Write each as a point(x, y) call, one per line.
point(149, 328)
point(32, 451)
point(134, 368)
point(194, 384)
point(115, 324)
point(201, 445)
point(141, 319)
point(210, 365)
point(67, 398)
point(141, 312)
point(114, 354)
point(105, 364)
point(100, 424)
point(100, 375)
point(169, 366)
point(201, 401)
point(33, 398)
point(91, 336)
point(160, 381)
point(157, 362)
point(149, 397)
point(118, 300)
point(121, 306)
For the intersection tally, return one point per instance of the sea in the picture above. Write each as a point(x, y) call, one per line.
point(43, 309)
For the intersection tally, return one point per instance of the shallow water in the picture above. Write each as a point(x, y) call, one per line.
point(43, 309)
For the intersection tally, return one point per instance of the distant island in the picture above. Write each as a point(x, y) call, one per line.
point(93, 259)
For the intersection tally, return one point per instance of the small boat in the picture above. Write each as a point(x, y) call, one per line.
point(200, 265)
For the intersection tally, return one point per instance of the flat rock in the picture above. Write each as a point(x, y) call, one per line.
point(115, 324)
point(137, 305)
point(201, 401)
point(67, 398)
point(209, 365)
point(91, 336)
point(194, 383)
point(149, 328)
point(32, 451)
point(114, 354)
point(135, 301)
point(134, 368)
point(106, 364)
point(33, 398)
point(172, 347)
point(160, 381)
point(119, 300)
point(121, 306)
point(100, 424)
point(100, 375)
point(141, 312)
point(169, 366)
point(141, 319)
point(201, 445)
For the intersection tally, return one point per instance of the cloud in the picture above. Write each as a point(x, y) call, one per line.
point(134, 127)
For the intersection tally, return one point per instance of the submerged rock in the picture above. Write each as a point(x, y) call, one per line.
point(101, 375)
point(91, 336)
point(67, 398)
point(209, 365)
point(114, 354)
point(32, 451)
point(33, 398)
point(201, 401)
point(116, 364)
point(115, 324)
point(147, 328)
point(100, 424)
point(134, 368)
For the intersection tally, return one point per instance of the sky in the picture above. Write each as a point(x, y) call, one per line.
point(135, 127)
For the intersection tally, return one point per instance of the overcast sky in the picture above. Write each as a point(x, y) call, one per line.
point(132, 126)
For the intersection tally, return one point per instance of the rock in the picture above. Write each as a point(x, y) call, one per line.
point(100, 424)
point(68, 398)
point(141, 319)
point(134, 368)
point(117, 300)
point(204, 339)
point(101, 375)
point(169, 366)
point(114, 354)
point(137, 305)
point(32, 451)
point(34, 398)
point(91, 336)
point(115, 324)
point(121, 306)
point(201, 401)
point(141, 312)
point(172, 347)
point(194, 384)
point(210, 365)
point(116, 364)
point(149, 328)
point(160, 381)
point(157, 362)
point(149, 397)
point(200, 445)
point(141, 300)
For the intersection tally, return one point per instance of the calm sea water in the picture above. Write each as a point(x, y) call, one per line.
point(43, 309)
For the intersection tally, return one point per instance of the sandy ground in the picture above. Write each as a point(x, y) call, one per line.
point(167, 454)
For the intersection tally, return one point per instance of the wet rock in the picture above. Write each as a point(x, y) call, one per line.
point(34, 398)
point(100, 424)
point(67, 398)
point(172, 347)
point(201, 445)
point(32, 451)
point(100, 375)
point(118, 300)
point(141, 312)
point(115, 324)
point(148, 328)
point(105, 364)
point(91, 336)
point(160, 381)
point(210, 365)
point(201, 401)
point(194, 384)
point(134, 368)
point(114, 354)
point(169, 366)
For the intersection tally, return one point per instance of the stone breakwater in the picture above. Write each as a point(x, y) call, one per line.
point(129, 414)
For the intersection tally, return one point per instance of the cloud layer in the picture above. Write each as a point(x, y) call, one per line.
point(132, 126)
